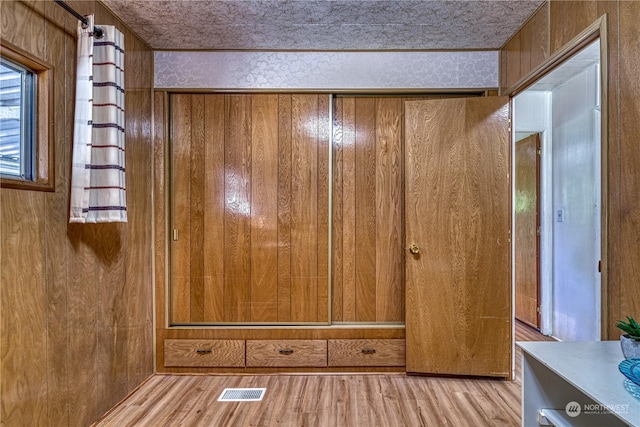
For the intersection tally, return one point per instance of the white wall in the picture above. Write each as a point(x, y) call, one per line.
point(576, 196)
point(330, 71)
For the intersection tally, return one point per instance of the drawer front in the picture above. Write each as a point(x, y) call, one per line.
point(204, 353)
point(286, 353)
point(372, 352)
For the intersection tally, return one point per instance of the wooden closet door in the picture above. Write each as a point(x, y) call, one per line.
point(250, 208)
point(458, 298)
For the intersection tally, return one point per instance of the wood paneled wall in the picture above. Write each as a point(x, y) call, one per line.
point(566, 19)
point(75, 301)
point(250, 204)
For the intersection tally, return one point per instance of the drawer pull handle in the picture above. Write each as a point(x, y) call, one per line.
point(368, 350)
point(285, 351)
point(203, 351)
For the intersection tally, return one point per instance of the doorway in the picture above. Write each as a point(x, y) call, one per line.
point(527, 229)
point(563, 107)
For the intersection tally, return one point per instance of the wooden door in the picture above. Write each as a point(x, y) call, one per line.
point(457, 192)
point(527, 224)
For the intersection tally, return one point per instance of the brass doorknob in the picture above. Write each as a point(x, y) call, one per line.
point(414, 249)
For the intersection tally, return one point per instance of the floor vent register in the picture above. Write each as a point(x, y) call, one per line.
point(242, 394)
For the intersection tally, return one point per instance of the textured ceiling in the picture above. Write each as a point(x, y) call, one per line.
point(323, 24)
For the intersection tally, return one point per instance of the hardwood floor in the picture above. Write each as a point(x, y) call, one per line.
point(326, 400)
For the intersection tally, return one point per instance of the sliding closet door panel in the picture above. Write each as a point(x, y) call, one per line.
point(264, 209)
point(250, 205)
point(344, 206)
point(367, 210)
point(365, 180)
point(214, 226)
point(181, 256)
point(304, 193)
point(284, 208)
point(196, 233)
point(324, 131)
point(389, 214)
point(237, 241)
point(337, 258)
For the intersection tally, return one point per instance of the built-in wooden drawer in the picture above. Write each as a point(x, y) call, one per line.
point(368, 352)
point(286, 353)
point(204, 353)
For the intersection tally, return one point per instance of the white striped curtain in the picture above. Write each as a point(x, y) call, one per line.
point(98, 192)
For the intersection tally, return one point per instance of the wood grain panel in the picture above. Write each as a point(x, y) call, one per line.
point(365, 208)
point(56, 228)
point(366, 352)
point(513, 70)
point(568, 19)
point(237, 262)
point(214, 206)
point(457, 197)
point(23, 284)
point(556, 25)
point(526, 33)
point(348, 210)
point(539, 37)
point(197, 208)
point(337, 251)
point(181, 249)
point(284, 208)
point(204, 352)
point(322, 204)
point(525, 234)
point(629, 219)
point(264, 209)
point(503, 70)
point(304, 214)
point(389, 213)
point(82, 337)
point(26, 21)
point(253, 206)
point(111, 361)
point(58, 326)
point(286, 353)
point(578, 15)
point(162, 239)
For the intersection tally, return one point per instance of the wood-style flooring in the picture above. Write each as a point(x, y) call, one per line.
point(326, 400)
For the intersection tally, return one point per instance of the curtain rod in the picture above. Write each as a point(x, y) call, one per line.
point(97, 31)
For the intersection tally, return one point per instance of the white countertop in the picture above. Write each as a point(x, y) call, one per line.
point(591, 367)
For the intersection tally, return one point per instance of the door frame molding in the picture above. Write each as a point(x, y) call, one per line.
point(597, 30)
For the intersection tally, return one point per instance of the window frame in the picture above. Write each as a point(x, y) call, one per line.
point(42, 169)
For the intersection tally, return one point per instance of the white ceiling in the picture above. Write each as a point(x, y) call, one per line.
point(324, 24)
point(572, 67)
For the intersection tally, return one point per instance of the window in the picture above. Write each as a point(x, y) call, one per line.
point(26, 153)
point(17, 117)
